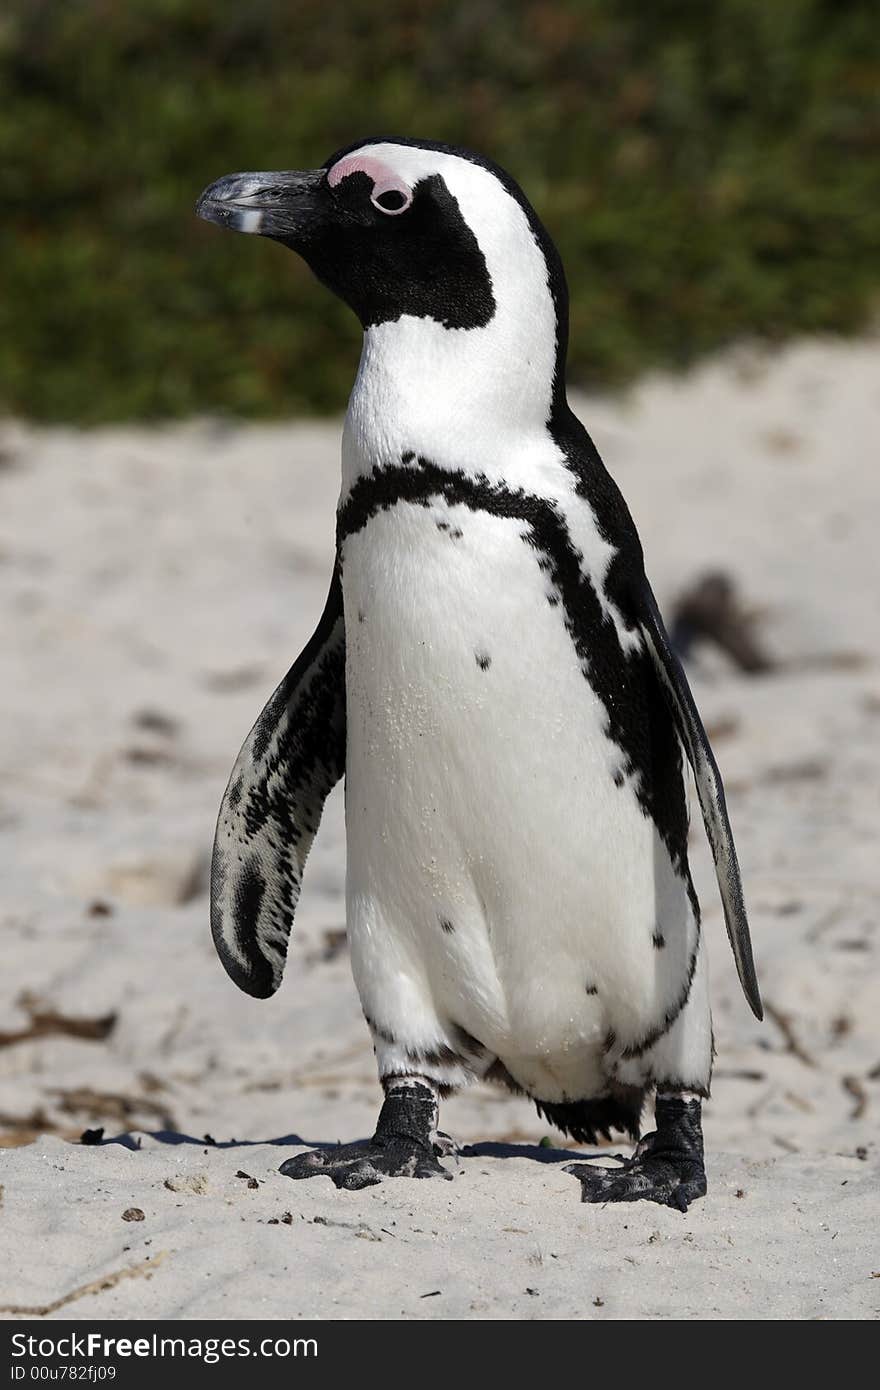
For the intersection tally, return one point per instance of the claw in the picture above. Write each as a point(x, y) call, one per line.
point(443, 1145)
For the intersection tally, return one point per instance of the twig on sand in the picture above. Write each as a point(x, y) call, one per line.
point(739, 1074)
point(110, 1105)
point(45, 1021)
point(18, 1130)
point(853, 1087)
point(106, 1281)
point(784, 1024)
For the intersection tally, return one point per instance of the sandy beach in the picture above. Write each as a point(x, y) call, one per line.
point(157, 584)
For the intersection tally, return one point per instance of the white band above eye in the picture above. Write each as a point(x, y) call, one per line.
point(384, 180)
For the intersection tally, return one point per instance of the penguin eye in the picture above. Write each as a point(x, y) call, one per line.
point(391, 198)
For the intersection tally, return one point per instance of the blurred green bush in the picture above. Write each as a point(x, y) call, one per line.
point(710, 170)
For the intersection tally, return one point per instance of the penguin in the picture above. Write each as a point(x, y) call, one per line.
point(492, 677)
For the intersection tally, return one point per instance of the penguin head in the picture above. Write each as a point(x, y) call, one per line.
point(433, 238)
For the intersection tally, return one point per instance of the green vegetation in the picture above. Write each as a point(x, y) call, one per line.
point(710, 169)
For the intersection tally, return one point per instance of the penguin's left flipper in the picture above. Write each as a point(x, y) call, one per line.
point(710, 789)
point(290, 762)
point(667, 1166)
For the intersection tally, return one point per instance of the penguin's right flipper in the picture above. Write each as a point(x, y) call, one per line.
point(290, 762)
point(710, 790)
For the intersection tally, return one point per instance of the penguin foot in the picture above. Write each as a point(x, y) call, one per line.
point(667, 1166)
point(405, 1145)
point(353, 1166)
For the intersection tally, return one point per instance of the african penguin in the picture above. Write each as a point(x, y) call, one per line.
point(492, 676)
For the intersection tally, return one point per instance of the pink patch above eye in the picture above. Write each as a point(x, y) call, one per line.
point(384, 179)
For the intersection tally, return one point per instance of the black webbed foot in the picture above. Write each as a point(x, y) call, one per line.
point(352, 1166)
point(404, 1145)
point(667, 1166)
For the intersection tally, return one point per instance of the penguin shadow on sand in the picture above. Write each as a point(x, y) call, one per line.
point(132, 1139)
point(538, 1153)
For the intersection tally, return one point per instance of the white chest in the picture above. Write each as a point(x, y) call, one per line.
point(481, 785)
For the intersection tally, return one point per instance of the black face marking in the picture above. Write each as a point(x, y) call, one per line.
point(426, 262)
point(586, 1120)
point(447, 925)
point(659, 940)
point(637, 717)
point(483, 660)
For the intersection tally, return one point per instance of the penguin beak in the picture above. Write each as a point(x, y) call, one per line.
point(284, 206)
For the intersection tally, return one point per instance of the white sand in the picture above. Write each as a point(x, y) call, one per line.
point(177, 572)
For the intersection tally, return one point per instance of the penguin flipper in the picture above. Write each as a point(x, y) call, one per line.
point(290, 762)
point(710, 790)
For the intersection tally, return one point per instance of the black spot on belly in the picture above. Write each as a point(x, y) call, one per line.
point(592, 989)
point(484, 661)
point(442, 525)
point(447, 925)
point(659, 940)
point(361, 615)
point(456, 533)
point(619, 778)
point(407, 457)
point(553, 600)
